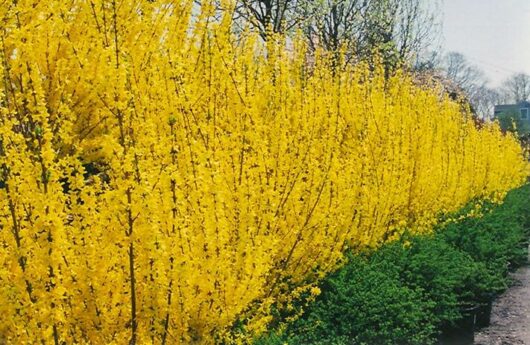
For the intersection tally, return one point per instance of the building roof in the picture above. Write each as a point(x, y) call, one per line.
point(523, 104)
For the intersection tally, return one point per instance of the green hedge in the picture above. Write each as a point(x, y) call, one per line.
point(367, 305)
point(500, 238)
point(409, 290)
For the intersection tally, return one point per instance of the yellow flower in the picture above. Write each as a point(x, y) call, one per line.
point(162, 178)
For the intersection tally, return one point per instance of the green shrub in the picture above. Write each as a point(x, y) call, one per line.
point(362, 304)
point(499, 239)
point(449, 278)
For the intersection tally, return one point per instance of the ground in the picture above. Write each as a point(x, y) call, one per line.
point(510, 319)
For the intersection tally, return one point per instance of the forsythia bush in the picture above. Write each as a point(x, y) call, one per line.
point(232, 171)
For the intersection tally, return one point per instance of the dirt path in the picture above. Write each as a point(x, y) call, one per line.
point(510, 319)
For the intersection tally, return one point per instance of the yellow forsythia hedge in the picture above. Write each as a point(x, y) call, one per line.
point(233, 170)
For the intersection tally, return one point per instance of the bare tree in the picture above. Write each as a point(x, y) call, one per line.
point(396, 30)
point(417, 27)
point(484, 100)
point(466, 76)
point(273, 16)
point(337, 23)
point(518, 87)
point(428, 62)
point(472, 84)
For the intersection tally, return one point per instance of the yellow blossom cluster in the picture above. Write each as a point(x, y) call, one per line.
point(228, 170)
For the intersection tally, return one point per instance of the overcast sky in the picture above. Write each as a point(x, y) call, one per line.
point(493, 34)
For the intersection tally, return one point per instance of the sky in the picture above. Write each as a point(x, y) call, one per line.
point(494, 35)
